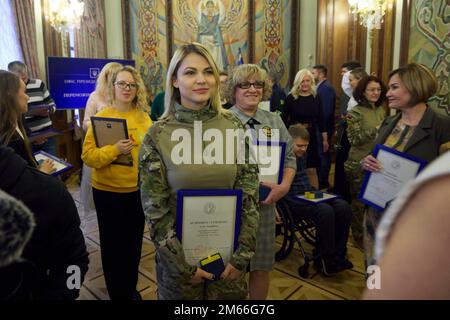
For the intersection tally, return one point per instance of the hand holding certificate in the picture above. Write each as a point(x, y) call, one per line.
point(109, 131)
point(380, 187)
point(208, 222)
point(59, 165)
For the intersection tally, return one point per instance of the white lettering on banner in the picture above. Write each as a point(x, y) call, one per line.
point(76, 95)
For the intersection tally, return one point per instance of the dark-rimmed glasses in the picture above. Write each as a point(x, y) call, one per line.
point(247, 85)
point(125, 85)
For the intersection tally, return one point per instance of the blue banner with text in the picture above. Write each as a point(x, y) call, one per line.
point(72, 80)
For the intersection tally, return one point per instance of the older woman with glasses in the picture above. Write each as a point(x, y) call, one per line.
point(363, 122)
point(246, 88)
point(115, 187)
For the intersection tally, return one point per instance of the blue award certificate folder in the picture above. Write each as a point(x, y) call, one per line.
point(398, 168)
point(60, 165)
point(270, 157)
point(208, 222)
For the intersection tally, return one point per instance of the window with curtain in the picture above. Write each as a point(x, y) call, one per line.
point(9, 41)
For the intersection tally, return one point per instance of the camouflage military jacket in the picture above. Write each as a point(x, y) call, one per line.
point(362, 128)
point(160, 178)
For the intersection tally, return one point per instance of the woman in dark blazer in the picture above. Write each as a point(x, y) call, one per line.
point(416, 130)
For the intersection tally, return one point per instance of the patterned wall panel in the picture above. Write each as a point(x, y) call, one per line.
point(236, 31)
point(222, 26)
point(148, 41)
point(429, 44)
point(274, 43)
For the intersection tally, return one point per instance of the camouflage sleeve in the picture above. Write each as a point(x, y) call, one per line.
point(356, 132)
point(155, 194)
point(247, 181)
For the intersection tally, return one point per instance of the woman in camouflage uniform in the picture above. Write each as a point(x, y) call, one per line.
point(192, 95)
point(363, 121)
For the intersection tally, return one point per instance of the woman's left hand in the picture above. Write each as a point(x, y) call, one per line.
point(230, 273)
point(277, 191)
point(200, 276)
point(325, 146)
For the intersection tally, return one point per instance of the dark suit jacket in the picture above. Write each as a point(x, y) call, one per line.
point(429, 139)
point(327, 95)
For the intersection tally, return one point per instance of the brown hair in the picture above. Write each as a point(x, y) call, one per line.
point(359, 96)
point(10, 114)
point(419, 80)
point(359, 73)
point(299, 131)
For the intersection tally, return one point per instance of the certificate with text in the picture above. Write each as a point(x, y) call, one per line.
point(398, 168)
point(208, 221)
point(59, 164)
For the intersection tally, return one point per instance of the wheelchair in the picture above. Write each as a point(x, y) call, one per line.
point(288, 229)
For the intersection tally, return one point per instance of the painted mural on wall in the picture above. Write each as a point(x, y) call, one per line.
point(273, 27)
point(221, 26)
point(430, 44)
point(148, 42)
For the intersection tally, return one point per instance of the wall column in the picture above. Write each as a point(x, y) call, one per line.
point(40, 39)
point(308, 34)
point(114, 29)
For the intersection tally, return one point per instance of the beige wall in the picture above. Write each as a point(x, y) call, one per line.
point(114, 31)
point(40, 38)
point(308, 33)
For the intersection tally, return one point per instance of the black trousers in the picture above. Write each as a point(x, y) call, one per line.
point(341, 186)
point(121, 225)
point(332, 220)
point(323, 171)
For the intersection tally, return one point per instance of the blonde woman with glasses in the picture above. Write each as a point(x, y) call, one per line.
point(98, 100)
point(115, 187)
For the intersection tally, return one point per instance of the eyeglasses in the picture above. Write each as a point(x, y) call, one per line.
point(247, 85)
point(125, 85)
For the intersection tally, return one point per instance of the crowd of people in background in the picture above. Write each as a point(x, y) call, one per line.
point(45, 236)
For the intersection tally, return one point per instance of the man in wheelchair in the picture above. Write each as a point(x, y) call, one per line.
point(332, 218)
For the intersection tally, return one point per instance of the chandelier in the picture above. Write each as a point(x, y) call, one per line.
point(64, 15)
point(370, 12)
